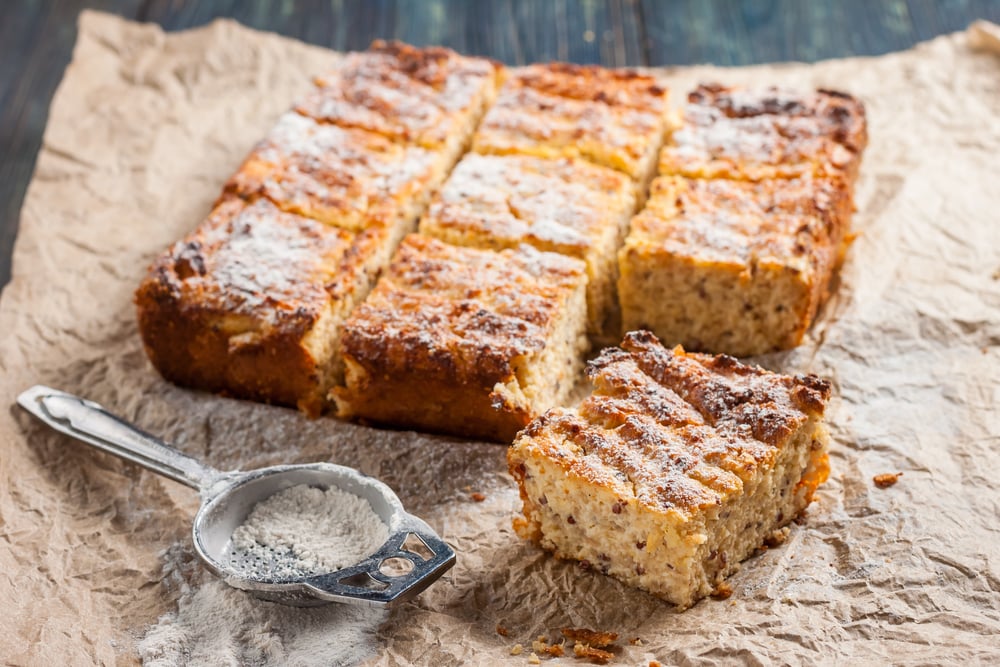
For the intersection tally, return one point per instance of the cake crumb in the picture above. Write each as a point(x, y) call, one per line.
point(635, 641)
point(534, 659)
point(777, 538)
point(597, 655)
point(517, 649)
point(590, 637)
point(501, 630)
point(478, 497)
point(722, 591)
point(555, 650)
point(654, 663)
point(540, 644)
point(885, 480)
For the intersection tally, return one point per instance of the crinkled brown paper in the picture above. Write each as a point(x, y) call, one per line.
point(143, 131)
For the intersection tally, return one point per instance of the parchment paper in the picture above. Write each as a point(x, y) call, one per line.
point(143, 131)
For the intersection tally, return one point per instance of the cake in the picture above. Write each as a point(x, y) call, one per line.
point(349, 178)
point(674, 470)
point(250, 304)
point(613, 118)
point(431, 97)
point(767, 133)
point(735, 267)
point(465, 341)
point(563, 205)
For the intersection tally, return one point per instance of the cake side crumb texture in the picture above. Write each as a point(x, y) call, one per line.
point(676, 468)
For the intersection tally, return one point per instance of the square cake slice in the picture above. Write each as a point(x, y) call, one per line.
point(348, 178)
point(614, 118)
point(733, 267)
point(677, 468)
point(767, 133)
point(465, 341)
point(562, 205)
point(251, 303)
point(431, 97)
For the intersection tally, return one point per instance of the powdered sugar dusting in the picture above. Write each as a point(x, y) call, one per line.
point(303, 531)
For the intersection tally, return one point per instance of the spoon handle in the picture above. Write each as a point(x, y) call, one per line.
point(90, 423)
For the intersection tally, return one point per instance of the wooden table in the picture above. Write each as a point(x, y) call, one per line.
point(36, 41)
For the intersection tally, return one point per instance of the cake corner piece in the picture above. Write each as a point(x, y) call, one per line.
point(674, 470)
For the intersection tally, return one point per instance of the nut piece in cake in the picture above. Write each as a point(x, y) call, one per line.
point(733, 267)
point(563, 205)
point(432, 97)
point(675, 469)
point(465, 341)
point(614, 118)
point(768, 133)
point(251, 303)
point(348, 178)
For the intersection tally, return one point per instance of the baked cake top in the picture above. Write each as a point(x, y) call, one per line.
point(417, 95)
point(345, 177)
point(254, 265)
point(678, 432)
point(787, 221)
point(564, 205)
point(610, 117)
point(754, 134)
point(461, 313)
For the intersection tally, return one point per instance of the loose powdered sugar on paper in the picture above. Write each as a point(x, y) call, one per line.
point(143, 132)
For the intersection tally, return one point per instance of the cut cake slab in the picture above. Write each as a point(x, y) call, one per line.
point(736, 267)
point(465, 341)
point(348, 178)
point(431, 97)
point(677, 467)
point(767, 133)
point(566, 205)
point(251, 303)
point(613, 118)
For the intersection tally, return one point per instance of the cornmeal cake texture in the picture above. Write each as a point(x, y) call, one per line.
point(562, 205)
point(677, 467)
point(465, 341)
point(768, 133)
point(348, 178)
point(251, 303)
point(431, 97)
point(728, 266)
point(614, 118)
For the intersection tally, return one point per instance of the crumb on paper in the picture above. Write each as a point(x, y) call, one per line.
point(540, 644)
point(501, 630)
point(555, 650)
point(885, 480)
point(517, 649)
point(777, 537)
point(635, 641)
point(723, 591)
point(534, 659)
point(590, 637)
point(597, 655)
point(478, 497)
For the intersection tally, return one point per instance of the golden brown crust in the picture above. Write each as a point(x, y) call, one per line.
point(227, 308)
point(798, 222)
point(612, 118)
point(444, 328)
point(417, 95)
point(675, 430)
point(349, 178)
point(769, 133)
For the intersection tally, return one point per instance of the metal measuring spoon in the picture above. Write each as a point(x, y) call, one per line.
point(227, 498)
